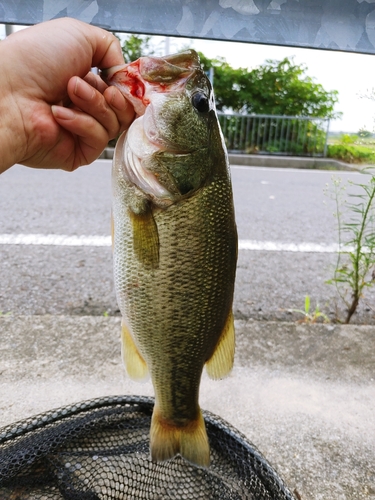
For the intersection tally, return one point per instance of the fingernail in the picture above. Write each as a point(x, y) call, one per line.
point(63, 113)
point(83, 90)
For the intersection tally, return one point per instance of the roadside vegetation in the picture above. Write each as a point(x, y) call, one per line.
point(311, 315)
point(273, 88)
point(358, 148)
point(355, 266)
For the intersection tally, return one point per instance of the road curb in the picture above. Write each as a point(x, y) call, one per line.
point(60, 344)
point(298, 162)
point(274, 161)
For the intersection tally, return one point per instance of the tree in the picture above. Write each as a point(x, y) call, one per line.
point(364, 134)
point(275, 88)
point(135, 46)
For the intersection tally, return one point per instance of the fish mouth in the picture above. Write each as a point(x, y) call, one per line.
point(167, 69)
point(146, 83)
point(136, 80)
point(137, 149)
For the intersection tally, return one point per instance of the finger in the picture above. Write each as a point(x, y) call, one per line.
point(96, 82)
point(90, 136)
point(121, 106)
point(93, 103)
point(106, 48)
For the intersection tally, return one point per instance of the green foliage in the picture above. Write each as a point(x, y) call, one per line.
point(253, 134)
point(275, 88)
point(351, 153)
point(313, 316)
point(356, 234)
point(364, 134)
point(352, 149)
point(348, 139)
point(135, 46)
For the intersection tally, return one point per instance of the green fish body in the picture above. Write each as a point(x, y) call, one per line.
point(175, 245)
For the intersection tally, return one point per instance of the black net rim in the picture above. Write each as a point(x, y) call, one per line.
point(32, 434)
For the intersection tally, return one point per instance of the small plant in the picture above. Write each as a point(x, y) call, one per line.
point(311, 317)
point(356, 256)
point(3, 315)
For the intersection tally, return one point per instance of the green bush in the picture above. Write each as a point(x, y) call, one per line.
point(348, 139)
point(351, 153)
point(253, 134)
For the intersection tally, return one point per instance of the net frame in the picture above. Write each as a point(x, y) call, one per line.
point(99, 449)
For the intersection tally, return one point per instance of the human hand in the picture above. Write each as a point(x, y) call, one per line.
point(54, 112)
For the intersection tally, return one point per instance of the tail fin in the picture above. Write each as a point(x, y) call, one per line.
point(190, 441)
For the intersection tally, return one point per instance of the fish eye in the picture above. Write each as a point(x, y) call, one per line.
point(200, 102)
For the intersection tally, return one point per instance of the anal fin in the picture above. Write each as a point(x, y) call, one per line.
point(190, 440)
point(136, 366)
point(221, 362)
point(146, 238)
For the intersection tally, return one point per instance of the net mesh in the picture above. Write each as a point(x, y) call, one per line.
point(99, 450)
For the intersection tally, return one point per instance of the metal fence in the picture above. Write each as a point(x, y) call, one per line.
point(279, 135)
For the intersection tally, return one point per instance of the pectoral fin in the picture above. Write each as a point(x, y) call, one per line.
point(221, 362)
point(134, 362)
point(146, 239)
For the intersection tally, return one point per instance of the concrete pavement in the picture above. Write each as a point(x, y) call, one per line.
point(303, 394)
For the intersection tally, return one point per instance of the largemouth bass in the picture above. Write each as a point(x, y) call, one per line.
point(175, 245)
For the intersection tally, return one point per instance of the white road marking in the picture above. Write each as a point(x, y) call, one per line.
point(105, 241)
point(55, 240)
point(278, 246)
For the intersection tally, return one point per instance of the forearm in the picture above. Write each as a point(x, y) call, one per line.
point(8, 142)
point(10, 134)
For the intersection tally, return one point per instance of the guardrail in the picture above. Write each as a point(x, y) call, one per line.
point(279, 135)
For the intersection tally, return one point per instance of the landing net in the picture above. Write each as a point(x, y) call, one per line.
point(99, 450)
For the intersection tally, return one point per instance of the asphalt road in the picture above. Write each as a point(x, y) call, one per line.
point(274, 207)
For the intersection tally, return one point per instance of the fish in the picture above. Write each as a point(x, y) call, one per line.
point(174, 245)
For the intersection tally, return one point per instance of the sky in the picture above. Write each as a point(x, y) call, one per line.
point(349, 73)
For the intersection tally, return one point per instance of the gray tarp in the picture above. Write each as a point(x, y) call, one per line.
point(330, 24)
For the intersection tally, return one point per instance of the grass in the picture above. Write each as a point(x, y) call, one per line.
point(352, 149)
point(355, 266)
point(311, 316)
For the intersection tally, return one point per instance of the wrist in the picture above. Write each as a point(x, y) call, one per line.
point(10, 120)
